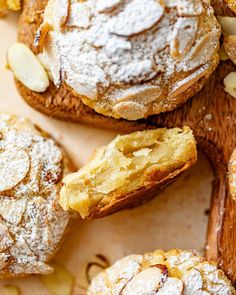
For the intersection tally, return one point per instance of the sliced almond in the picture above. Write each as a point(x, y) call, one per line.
point(230, 47)
point(228, 24)
point(44, 62)
point(11, 290)
point(41, 34)
point(189, 7)
point(60, 13)
point(130, 110)
point(79, 16)
point(230, 84)
point(201, 53)
point(173, 286)
point(60, 282)
point(145, 282)
point(186, 83)
point(105, 6)
point(26, 68)
point(14, 166)
point(184, 34)
point(137, 16)
point(12, 210)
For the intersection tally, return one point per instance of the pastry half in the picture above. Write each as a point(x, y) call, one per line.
point(32, 223)
point(128, 171)
point(176, 272)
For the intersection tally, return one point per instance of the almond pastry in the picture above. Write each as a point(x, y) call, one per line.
point(112, 54)
point(176, 272)
point(128, 171)
point(32, 224)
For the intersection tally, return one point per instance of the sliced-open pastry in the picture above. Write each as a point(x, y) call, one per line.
point(175, 272)
point(128, 171)
point(129, 59)
point(32, 223)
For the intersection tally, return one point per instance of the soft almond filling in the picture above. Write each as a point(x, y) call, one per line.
point(127, 164)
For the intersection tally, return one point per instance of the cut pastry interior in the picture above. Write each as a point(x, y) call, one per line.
point(128, 171)
point(175, 272)
point(32, 224)
point(130, 59)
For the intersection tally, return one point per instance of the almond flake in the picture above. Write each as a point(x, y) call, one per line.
point(105, 6)
point(26, 68)
point(14, 166)
point(138, 16)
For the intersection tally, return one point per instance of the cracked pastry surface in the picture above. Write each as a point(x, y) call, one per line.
point(32, 224)
point(175, 272)
point(130, 59)
point(128, 171)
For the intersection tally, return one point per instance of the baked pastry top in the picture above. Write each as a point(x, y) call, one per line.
point(128, 171)
point(130, 59)
point(32, 224)
point(175, 272)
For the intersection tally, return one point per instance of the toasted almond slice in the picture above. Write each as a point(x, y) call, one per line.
point(14, 166)
point(145, 282)
point(203, 50)
point(41, 34)
point(183, 36)
point(184, 84)
point(228, 24)
point(105, 6)
point(11, 290)
point(60, 282)
point(230, 84)
point(230, 47)
point(138, 16)
point(26, 68)
point(173, 284)
point(189, 7)
point(79, 16)
point(130, 110)
point(45, 63)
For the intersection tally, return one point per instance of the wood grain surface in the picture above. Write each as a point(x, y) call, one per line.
point(212, 116)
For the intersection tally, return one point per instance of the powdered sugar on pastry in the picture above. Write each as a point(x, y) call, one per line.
point(109, 46)
point(32, 223)
point(174, 272)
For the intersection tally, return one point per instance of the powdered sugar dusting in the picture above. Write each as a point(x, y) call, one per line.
point(174, 273)
point(32, 222)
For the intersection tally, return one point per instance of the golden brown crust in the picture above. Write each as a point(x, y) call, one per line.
point(62, 103)
point(129, 171)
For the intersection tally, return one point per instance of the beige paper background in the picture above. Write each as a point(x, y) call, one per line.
point(175, 218)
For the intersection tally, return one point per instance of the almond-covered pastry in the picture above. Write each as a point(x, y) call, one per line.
point(128, 171)
point(32, 223)
point(130, 59)
point(175, 272)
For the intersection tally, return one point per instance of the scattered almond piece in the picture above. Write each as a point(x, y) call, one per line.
point(26, 68)
point(42, 59)
point(230, 84)
point(60, 282)
point(11, 290)
point(228, 25)
point(230, 47)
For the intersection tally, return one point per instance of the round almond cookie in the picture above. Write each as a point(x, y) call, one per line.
point(32, 224)
point(130, 59)
point(175, 272)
